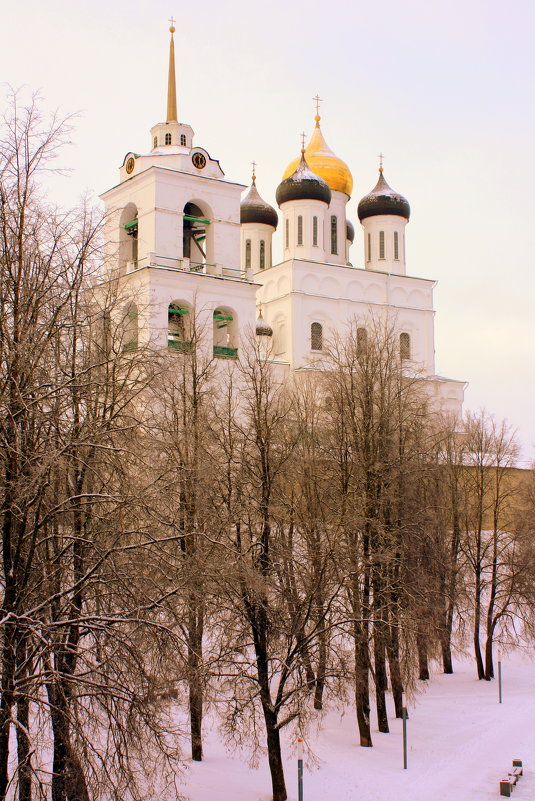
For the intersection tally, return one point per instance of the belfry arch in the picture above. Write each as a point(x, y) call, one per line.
point(196, 235)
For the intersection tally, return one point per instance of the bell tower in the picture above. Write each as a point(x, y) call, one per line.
point(173, 231)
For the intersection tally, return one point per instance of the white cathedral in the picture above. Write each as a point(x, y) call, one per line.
point(181, 241)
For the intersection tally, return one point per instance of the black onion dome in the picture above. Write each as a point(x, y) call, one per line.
point(263, 328)
point(383, 200)
point(303, 184)
point(350, 231)
point(255, 210)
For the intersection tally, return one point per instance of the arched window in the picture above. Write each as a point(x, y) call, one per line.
point(381, 244)
point(334, 235)
point(299, 230)
point(287, 234)
point(183, 140)
point(225, 334)
point(262, 254)
point(396, 246)
point(167, 138)
point(315, 231)
point(130, 338)
point(405, 346)
point(369, 247)
point(279, 337)
point(155, 141)
point(128, 237)
point(178, 328)
point(316, 336)
point(247, 254)
point(194, 231)
point(362, 342)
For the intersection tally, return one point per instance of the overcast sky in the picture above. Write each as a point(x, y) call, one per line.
point(444, 90)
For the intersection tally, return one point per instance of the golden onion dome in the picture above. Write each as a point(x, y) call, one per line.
point(324, 163)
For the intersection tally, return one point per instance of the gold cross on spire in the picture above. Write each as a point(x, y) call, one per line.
point(303, 137)
point(318, 100)
point(172, 21)
point(253, 163)
point(381, 162)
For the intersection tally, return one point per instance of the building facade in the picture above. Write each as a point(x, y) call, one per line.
point(183, 244)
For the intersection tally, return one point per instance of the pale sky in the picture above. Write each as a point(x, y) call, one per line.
point(444, 90)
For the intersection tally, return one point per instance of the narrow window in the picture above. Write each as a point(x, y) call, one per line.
point(362, 342)
point(262, 254)
point(316, 336)
point(381, 244)
point(299, 230)
point(167, 138)
point(315, 231)
point(396, 246)
point(334, 235)
point(287, 233)
point(369, 247)
point(183, 140)
point(404, 346)
point(247, 254)
point(155, 141)
point(130, 329)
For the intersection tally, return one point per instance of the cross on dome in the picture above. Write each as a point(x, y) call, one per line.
point(317, 100)
point(172, 28)
point(381, 162)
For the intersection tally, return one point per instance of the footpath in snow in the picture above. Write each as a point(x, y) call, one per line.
point(461, 743)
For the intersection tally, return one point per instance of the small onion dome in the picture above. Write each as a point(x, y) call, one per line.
point(255, 210)
point(303, 184)
point(350, 231)
point(263, 329)
point(383, 200)
point(325, 163)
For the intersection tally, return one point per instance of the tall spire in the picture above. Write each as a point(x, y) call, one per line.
point(171, 84)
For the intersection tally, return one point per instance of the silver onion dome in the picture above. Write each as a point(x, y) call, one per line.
point(303, 184)
point(383, 200)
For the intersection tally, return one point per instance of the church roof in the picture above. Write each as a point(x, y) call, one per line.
point(303, 184)
point(253, 209)
point(383, 200)
point(325, 163)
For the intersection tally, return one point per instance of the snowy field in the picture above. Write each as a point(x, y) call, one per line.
point(461, 743)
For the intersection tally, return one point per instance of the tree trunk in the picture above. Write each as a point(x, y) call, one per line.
point(395, 670)
point(24, 767)
point(423, 666)
point(196, 625)
point(275, 757)
point(380, 678)
point(362, 693)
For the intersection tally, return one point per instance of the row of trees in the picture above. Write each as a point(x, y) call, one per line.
point(179, 532)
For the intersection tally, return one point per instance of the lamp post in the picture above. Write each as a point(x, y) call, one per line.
point(500, 676)
point(404, 716)
point(300, 769)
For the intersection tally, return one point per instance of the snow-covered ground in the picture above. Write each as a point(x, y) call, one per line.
point(461, 743)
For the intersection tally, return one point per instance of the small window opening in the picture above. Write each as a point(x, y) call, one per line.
point(131, 229)
point(155, 141)
point(177, 337)
point(396, 246)
point(247, 254)
point(334, 235)
point(183, 140)
point(369, 247)
point(130, 341)
point(362, 342)
point(262, 254)
point(404, 346)
point(315, 231)
point(316, 336)
point(287, 233)
point(381, 244)
point(299, 230)
point(167, 138)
